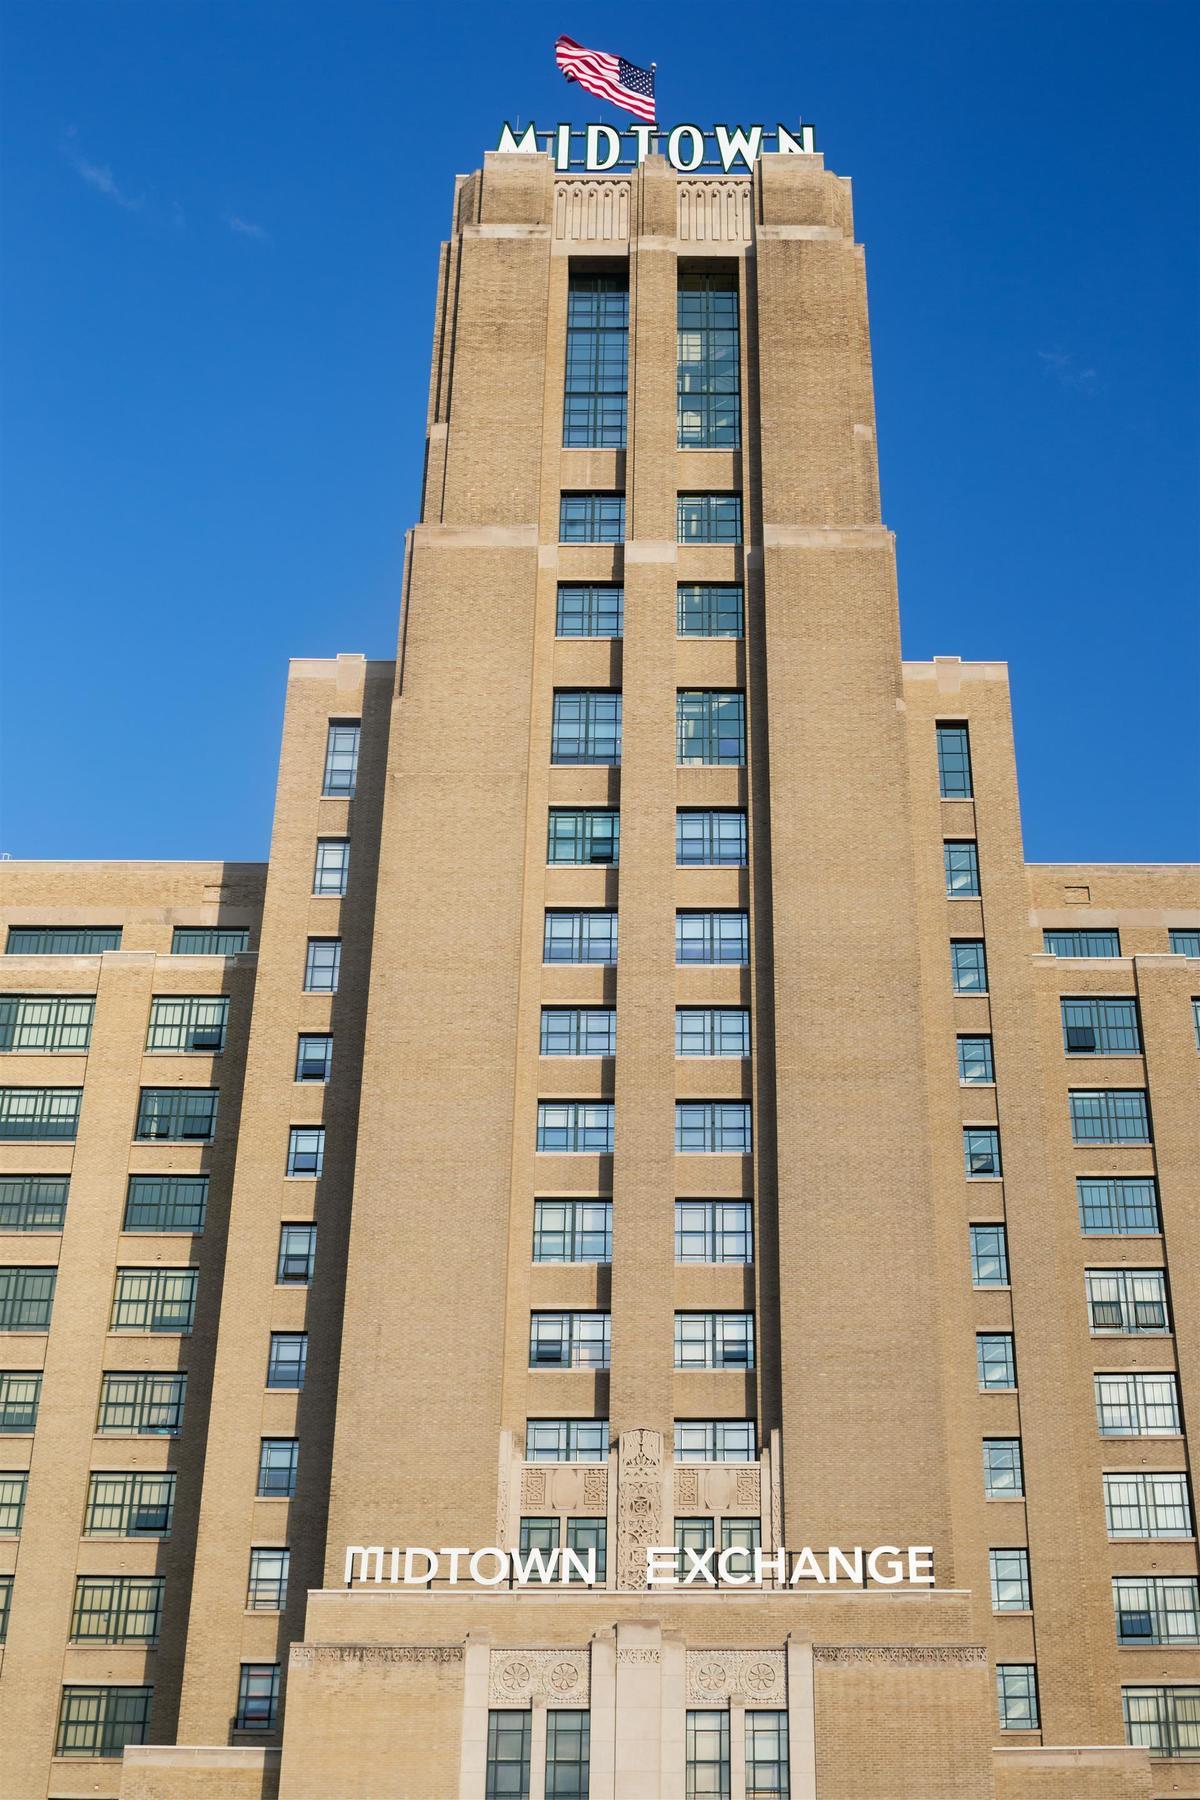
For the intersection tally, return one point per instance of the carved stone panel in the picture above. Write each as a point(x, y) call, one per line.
point(715, 212)
point(592, 211)
point(718, 1488)
point(564, 1488)
point(965, 1654)
point(560, 1677)
point(757, 1677)
point(639, 1503)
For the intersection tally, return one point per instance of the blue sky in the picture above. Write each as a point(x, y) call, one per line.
point(221, 224)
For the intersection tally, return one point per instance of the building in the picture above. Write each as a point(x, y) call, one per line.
point(370, 1198)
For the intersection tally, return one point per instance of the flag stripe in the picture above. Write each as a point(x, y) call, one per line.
point(600, 73)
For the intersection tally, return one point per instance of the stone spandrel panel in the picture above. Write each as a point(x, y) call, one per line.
point(718, 1488)
point(758, 1677)
point(639, 1503)
point(564, 1488)
point(715, 212)
point(559, 1677)
point(592, 211)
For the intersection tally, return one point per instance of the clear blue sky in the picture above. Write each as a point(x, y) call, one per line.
point(221, 225)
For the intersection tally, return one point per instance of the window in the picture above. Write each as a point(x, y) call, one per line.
point(590, 609)
point(712, 1125)
point(975, 1067)
point(208, 940)
point(587, 728)
point(1196, 1021)
point(767, 1756)
point(1016, 1694)
point(287, 1359)
point(314, 1056)
point(707, 1764)
point(575, 1125)
point(267, 1587)
point(567, 1754)
point(1165, 1720)
point(997, 1364)
point(954, 762)
point(962, 869)
point(580, 937)
point(306, 1150)
point(709, 609)
point(508, 1744)
point(1009, 1571)
point(989, 1256)
point(154, 1300)
point(710, 727)
point(6, 1588)
point(297, 1253)
point(713, 1231)
point(140, 1405)
point(566, 1440)
point(1109, 1116)
point(715, 1340)
point(20, 1393)
point(587, 1538)
point(341, 759)
point(129, 1504)
point(1112, 1206)
point(1127, 1300)
point(1140, 1505)
point(710, 837)
point(569, 1340)
point(579, 1031)
point(116, 1609)
point(708, 519)
point(572, 1231)
point(178, 1114)
point(712, 1030)
point(1101, 1027)
point(583, 834)
point(322, 965)
point(1156, 1609)
point(39, 1114)
point(33, 1202)
point(62, 940)
point(45, 1022)
point(981, 1151)
point(100, 1721)
point(968, 966)
point(743, 1537)
point(715, 1440)
point(1003, 1478)
point(189, 1023)
point(277, 1460)
point(597, 376)
point(13, 1483)
point(712, 937)
point(166, 1203)
point(696, 1535)
point(26, 1298)
point(1137, 1405)
point(708, 361)
point(1185, 943)
point(258, 1697)
point(331, 871)
point(591, 519)
point(1081, 943)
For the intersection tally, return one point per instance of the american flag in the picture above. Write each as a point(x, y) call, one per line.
point(611, 77)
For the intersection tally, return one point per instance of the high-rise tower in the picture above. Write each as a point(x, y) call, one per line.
point(672, 1113)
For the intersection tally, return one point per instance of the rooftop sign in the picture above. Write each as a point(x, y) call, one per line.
point(597, 149)
point(666, 1566)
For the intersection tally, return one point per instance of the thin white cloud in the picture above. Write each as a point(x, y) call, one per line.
point(246, 228)
point(100, 177)
point(1067, 372)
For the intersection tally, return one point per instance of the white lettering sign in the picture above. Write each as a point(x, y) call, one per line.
point(666, 1566)
point(597, 149)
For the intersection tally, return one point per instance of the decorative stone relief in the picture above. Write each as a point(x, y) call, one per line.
point(755, 1676)
point(560, 1677)
point(592, 210)
point(687, 1490)
point(639, 1502)
point(563, 1488)
point(310, 1655)
point(718, 1488)
point(638, 1656)
point(715, 212)
point(966, 1654)
point(533, 1488)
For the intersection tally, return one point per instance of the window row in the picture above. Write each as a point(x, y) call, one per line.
point(590, 936)
point(586, 1440)
point(710, 727)
point(580, 1231)
point(582, 1340)
point(599, 518)
point(567, 1127)
point(596, 609)
point(592, 1031)
point(94, 940)
point(100, 1721)
point(705, 837)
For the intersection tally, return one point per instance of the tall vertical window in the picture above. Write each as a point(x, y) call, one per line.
point(587, 727)
point(989, 1256)
point(45, 1023)
point(314, 1056)
point(332, 869)
point(258, 1697)
point(266, 1590)
point(975, 1061)
point(710, 837)
point(13, 1484)
point(277, 1463)
point(597, 377)
point(591, 519)
point(322, 965)
point(508, 1745)
point(590, 610)
point(962, 869)
point(709, 377)
point(1009, 1571)
point(968, 966)
point(100, 1721)
point(709, 609)
point(707, 1751)
point(306, 1150)
point(981, 1151)
point(297, 1254)
point(767, 1756)
point(33, 1202)
point(1002, 1475)
point(954, 762)
point(996, 1361)
point(341, 759)
point(710, 727)
point(708, 519)
point(287, 1359)
point(568, 1736)
point(6, 1588)
point(1017, 1696)
point(20, 1394)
